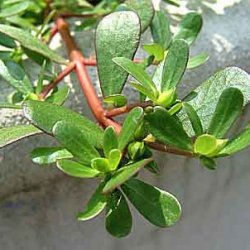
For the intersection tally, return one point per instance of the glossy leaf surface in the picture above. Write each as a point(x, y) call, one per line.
point(157, 206)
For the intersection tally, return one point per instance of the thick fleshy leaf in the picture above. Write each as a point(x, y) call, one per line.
point(137, 72)
point(101, 164)
point(14, 74)
point(209, 163)
point(168, 129)
point(59, 96)
point(197, 61)
point(205, 98)
point(118, 216)
point(12, 134)
point(30, 42)
point(144, 92)
point(109, 141)
point(76, 169)
point(95, 205)
point(144, 9)
point(115, 156)
point(7, 41)
point(129, 127)
point(116, 100)
point(49, 155)
point(14, 9)
point(190, 27)
point(238, 143)
point(37, 112)
point(157, 206)
point(155, 50)
point(160, 29)
point(117, 35)
point(175, 64)
point(73, 139)
point(228, 109)
point(194, 119)
point(124, 174)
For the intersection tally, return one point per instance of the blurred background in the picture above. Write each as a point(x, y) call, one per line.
point(38, 204)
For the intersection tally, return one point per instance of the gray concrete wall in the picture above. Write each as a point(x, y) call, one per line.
point(38, 204)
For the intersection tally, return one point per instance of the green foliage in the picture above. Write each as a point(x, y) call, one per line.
point(110, 151)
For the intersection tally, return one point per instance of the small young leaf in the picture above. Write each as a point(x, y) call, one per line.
point(109, 141)
point(157, 206)
point(30, 42)
point(238, 143)
point(197, 61)
point(175, 64)
point(155, 50)
point(129, 127)
point(73, 139)
point(118, 216)
point(14, 74)
point(12, 134)
point(190, 27)
point(160, 29)
point(168, 129)
point(175, 108)
point(59, 96)
point(76, 169)
point(194, 119)
point(37, 112)
point(137, 72)
point(117, 100)
point(95, 205)
point(205, 97)
point(208, 162)
point(124, 174)
point(144, 9)
point(115, 156)
point(49, 155)
point(144, 91)
point(228, 109)
point(116, 35)
point(101, 164)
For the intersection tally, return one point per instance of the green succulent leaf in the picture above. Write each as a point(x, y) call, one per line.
point(59, 96)
point(197, 61)
point(115, 156)
point(155, 50)
point(95, 205)
point(160, 29)
point(137, 72)
point(119, 39)
point(109, 141)
point(175, 64)
point(37, 112)
point(118, 216)
point(189, 27)
point(101, 164)
point(228, 109)
point(14, 9)
point(194, 119)
point(157, 206)
point(30, 42)
point(7, 41)
point(75, 169)
point(144, 92)
point(168, 129)
point(204, 99)
point(241, 141)
point(129, 127)
point(49, 155)
point(14, 74)
point(73, 139)
point(209, 163)
point(144, 9)
point(124, 174)
point(12, 134)
point(173, 2)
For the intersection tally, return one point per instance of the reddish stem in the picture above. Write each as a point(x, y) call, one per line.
point(126, 109)
point(87, 87)
point(59, 78)
point(53, 32)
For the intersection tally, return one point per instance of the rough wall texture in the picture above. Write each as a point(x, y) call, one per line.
point(37, 205)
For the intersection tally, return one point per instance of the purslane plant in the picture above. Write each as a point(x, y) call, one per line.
point(114, 153)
